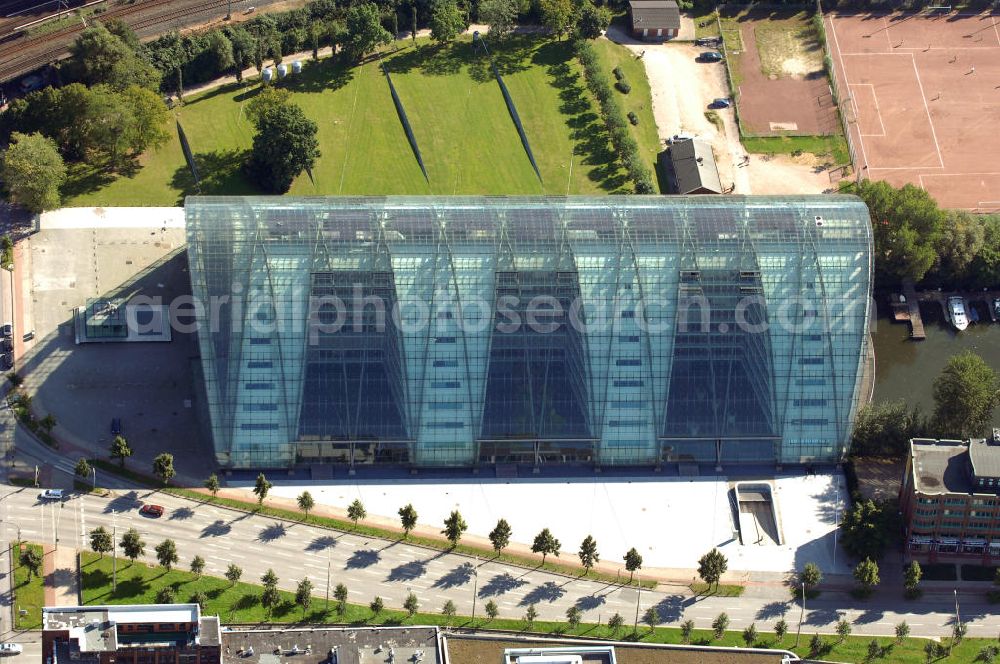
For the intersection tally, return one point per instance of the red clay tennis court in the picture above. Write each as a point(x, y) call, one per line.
point(921, 94)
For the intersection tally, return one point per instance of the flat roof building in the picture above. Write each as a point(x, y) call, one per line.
point(950, 499)
point(130, 634)
point(448, 331)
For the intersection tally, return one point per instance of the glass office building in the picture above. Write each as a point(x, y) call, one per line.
point(607, 331)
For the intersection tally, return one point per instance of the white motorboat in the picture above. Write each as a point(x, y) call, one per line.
point(956, 312)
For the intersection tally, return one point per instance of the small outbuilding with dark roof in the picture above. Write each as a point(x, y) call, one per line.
point(654, 19)
point(693, 167)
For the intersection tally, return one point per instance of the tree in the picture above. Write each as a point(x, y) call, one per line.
point(492, 610)
point(593, 20)
point(500, 15)
point(985, 266)
point(557, 15)
point(31, 560)
point(284, 146)
point(615, 623)
point(588, 553)
point(816, 645)
point(447, 21)
point(902, 631)
point(958, 632)
point(712, 566)
point(811, 575)
point(356, 512)
point(529, 616)
point(448, 610)
point(633, 562)
point(200, 598)
point(364, 31)
point(720, 625)
point(98, 56)
point(500, 536)
point(132, 544)
point(197, 565)
point(270, 598)
point(218, 52)
point(261, 487)
point(233, 573)
point(212, 484)
point(866, 529)
point(269, 579)
point(843, 629)
point(82, 468)
point(163, 467)
point(100, 541)
point(407, 518)
point(874, 650)
point(340, 594)
point(780, 629)
point(120, 450)
point(912, 574)
point(687, 627)
point(930, 651)
point(166, 595)
point(454, 526)
point(411, 604)
point(306, 502)
point(961, 239)
point(266, 100)
point(866, 574)
point(145, 123)
point(651, 617)
point(303, 594)
point(545, 543)
point(886, 428)
point(906, 223)
point(965, 395)
point(166, 553)
point(987, 654)
point(33, 171)
point(573, 616)
point(750, 635)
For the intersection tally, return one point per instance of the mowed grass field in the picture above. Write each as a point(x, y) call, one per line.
point(467, 139)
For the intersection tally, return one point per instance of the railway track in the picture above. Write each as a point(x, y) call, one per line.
point(27, 54)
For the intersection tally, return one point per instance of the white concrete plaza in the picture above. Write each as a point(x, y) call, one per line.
point(671, 521)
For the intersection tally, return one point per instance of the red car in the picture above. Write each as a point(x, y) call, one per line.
point(154, 511)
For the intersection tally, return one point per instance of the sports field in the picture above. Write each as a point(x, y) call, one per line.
point(924, 100)
point(466, 136)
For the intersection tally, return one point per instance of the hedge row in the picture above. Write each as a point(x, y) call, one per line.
point(621, 138)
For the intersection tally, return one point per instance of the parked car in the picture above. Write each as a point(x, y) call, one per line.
point(52, 494)
point(11, 649)
point(152, 511)
point(710, 56)
point(678, 138)
point(708, 41)
point(117, 429)
point(721, 102)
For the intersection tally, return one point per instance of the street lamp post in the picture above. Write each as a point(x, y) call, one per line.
point(327, 582)
point(638, 594)
point(475, 589)
point(958, 624)
point(802, 615)
point(94, 485)
point(114, 553)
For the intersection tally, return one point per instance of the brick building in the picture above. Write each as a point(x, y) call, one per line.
point(130, 634)
point(949, 499)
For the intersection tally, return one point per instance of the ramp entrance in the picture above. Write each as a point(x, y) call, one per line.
point(757, 518)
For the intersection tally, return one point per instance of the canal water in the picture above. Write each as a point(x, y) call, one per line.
point(906, 369)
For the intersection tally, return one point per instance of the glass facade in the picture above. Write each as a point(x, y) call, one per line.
point(448, 331)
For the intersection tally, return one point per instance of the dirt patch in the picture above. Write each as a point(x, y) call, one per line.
point(879, 479)
point(781, 174)
point(780, 75)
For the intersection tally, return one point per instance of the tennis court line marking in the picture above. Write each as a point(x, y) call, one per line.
point(878, 111)
point(930, 120)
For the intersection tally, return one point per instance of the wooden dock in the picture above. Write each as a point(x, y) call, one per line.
point(907, 308)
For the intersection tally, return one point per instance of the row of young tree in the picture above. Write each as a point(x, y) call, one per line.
point(917, 240)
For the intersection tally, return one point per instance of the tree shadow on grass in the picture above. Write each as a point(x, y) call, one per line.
point(135, 586)
point(219, 172)
point(245, 601)
point(85, 178)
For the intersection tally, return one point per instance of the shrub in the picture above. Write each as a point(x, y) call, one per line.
point(623, 86)
point(633, 118)
point(619, 74)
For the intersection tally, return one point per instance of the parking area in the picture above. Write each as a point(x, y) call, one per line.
point(149, 386)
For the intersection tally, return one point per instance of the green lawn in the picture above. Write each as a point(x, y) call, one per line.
point(29, 595)
point(638, 101)
point(139, 583)
point(467, 139)
point(833, 146)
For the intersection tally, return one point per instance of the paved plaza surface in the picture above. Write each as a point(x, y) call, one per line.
point(670, 521)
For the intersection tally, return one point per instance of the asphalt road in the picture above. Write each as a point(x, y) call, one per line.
point(390, 569)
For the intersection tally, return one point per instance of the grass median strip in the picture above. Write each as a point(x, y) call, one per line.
point(833, 146)
point(140, 583)
point(441, 544)
point(29, 589)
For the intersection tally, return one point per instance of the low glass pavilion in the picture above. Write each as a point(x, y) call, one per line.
point(447, 331)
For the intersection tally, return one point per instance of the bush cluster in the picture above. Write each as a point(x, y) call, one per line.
point(614, 120)
point(620, 82)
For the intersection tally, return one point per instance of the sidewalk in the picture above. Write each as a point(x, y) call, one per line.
point(61, 577)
